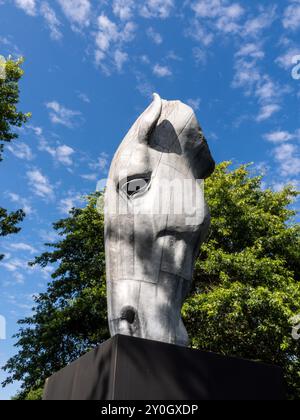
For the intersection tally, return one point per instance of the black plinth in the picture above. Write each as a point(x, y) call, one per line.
point(126, 368)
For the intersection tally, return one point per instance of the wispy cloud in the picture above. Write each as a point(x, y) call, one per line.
point(21, 150)
point(61, 154)
point(120, 59)
point(288, 157)
point(22, 202)
point(267, 111)
point(39, 184)
point(97, 168)
point(155, 36)
point(281, 136)
point(255, 82)
point(285, 60)
point(71, 200)
point(8, 46)
point(214, 16)
point(59, 114)
point(21, 246)
point(28, 6)
point(83, 97)
point(52, 21)
point(157, 8)
point(77, 11)
point(144, 85)
point(254, 27)
point(194, 103)
point(109, 40)
point(162, 71)
point(291, 18)
point(38, 131)
point(123, 9)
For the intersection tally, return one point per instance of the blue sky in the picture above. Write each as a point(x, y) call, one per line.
point(91, 67)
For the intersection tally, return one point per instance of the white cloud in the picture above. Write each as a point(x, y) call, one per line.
point(77, 11)
point(194, 103)
point(89, 177)
point(162, 71)
point(144, 86)
point(198, 32)
point(282, 136)
point(278, 186)
point(256, 83)
point(267, 111)
point(120, 58)
point(40, 184)
point(108, 32)
point(13, 264)
point(154, 35)
point(220, 15)
point(109, 40)
point(7, 44)
point(97, 167)
point(21, 246)
point(49, 236)
point(84, 97)
point(123, 9)
point(29, 6)
point(22, 202)
point(21, 150)
point(38, 131)
point(251, 50)
point(200, 56)
point(157, 8)
point(216, 8)
point(52, 21)
point(62, 154)
point(62, 115)
point(286, 59)
point(287, 155)
point(247, 73)
point(72, 200)
point(254, 27)
point(20, 278)
point(291, 19)
point(100, 164)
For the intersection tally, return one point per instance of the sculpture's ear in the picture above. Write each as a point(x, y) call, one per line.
point(149, 118)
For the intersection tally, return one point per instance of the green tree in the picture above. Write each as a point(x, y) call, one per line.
point(245, 292)
point(10, 117)
point(10, 75)
point(8, 223)
point(70, 318)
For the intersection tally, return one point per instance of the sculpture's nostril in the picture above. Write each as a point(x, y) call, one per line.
point(128, 314)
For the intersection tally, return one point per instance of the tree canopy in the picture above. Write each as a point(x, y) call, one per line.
point(10, 116)
point(8, 223)
point(10, 75)
point(246, 285)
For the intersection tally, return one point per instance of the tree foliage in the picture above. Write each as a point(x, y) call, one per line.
point(70, 318)
point(246, 286)
point(9, 221)
point(10, 117)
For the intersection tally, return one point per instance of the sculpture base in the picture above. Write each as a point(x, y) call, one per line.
point(127, 368)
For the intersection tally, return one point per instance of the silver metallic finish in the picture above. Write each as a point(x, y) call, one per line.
point(155, 221)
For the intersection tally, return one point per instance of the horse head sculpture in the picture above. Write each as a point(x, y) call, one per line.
point(155, 221)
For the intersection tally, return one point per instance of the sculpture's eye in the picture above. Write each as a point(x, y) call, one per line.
point(135, 186)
